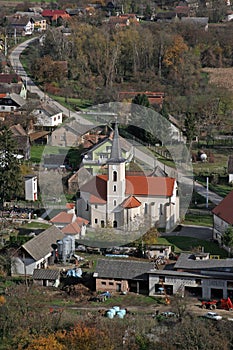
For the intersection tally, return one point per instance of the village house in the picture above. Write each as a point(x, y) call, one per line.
point(19, 25)
point(124, 201)
point(47, 115)
point(37, 253)
point(70, 224)
point(222, 217)
point(12, 83)
point(11, 102)
point(30, 187)
point(70, 134)
point(95, 159)
point(22, 140)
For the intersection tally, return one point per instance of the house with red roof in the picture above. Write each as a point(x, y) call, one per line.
point(70, 224)
point(127, 201)
point(222, 216)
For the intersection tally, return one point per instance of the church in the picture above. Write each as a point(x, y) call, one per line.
point(125, 201)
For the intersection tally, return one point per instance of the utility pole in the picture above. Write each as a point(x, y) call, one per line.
point(207, 192)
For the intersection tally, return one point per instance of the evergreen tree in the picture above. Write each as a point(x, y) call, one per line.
point(10, 173)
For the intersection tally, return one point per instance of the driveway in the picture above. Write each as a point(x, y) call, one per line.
point(199, 232)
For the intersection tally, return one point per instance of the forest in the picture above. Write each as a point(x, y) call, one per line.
point(96, 62)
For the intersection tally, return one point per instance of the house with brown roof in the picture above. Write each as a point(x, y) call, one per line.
point(222, 216)
point(22, 140)
point(12, 83)
point(126, 201)
point(19, 25)
point(70, 224)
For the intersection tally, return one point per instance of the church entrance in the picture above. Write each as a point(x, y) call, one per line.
point(114, 223)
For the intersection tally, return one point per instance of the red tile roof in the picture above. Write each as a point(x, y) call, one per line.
point(153, 186)
point(131, 202)
point(96, 200)
point(63, 218)
point(71, 229)
point(224, 210)
point(70, 205)
point(51, 13)
point(81, 221)
point(135, 185)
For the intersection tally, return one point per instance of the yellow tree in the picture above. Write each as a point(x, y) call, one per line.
point(174, 54)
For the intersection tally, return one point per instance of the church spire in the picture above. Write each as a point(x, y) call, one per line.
point(116, 153)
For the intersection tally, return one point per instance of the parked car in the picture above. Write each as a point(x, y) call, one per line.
point(213, 316)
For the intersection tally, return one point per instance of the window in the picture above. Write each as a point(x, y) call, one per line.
point(161, 209)
point(96, 221)
point(103, 283)
point(146, 208)
point(102, 223)
point(114, 202)
point(96, 206)
point(114, 188)
point(111, 283)
point(55, 119)
point(87, 207)
point(114, 176)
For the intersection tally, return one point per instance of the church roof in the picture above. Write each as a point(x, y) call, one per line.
point(131, 202)
point(116, 154)
point(135, 186)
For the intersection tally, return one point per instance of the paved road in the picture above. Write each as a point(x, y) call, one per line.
point(18, 68)
point(193, 231)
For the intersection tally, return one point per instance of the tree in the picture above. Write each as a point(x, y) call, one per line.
point(10, 173)
point(142, 100)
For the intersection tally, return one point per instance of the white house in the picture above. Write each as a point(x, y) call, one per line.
point(47, 115)
point(37, 253)
point(30, 187)
point(122, 201)
point(223, 216)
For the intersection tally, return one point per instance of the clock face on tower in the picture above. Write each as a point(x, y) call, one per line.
point(114, 167)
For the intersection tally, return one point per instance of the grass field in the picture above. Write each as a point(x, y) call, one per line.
point(189, 243)
point(37, 151)
point(200, 220)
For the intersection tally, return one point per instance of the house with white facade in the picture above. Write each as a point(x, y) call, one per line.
point(37, 253)
point(30, 187)
point(126, 201)
point(47, 115)
point(222, 217)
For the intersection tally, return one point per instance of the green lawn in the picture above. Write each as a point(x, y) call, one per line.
point(38, 150)
point(201, 220)
point(189, 243)
point(36, 225)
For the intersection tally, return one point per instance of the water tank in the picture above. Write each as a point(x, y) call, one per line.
point(120, 314)
point(67, 247)
point(116, 308)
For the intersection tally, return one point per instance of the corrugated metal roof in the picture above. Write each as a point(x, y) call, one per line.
point(40, 246)
point(123, 269)
point(45, 274)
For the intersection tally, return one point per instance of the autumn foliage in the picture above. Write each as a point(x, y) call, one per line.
point(80, 337)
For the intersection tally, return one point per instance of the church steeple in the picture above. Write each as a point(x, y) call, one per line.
point(116, 153)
